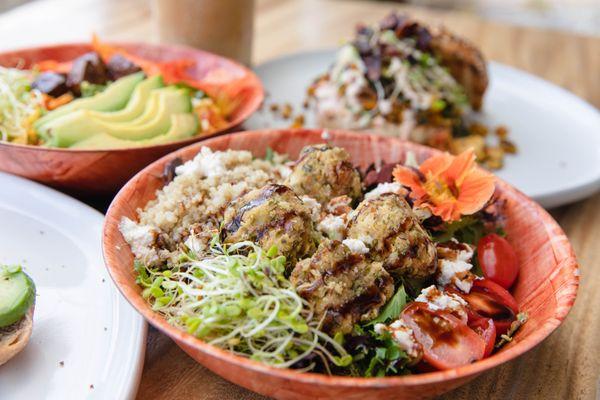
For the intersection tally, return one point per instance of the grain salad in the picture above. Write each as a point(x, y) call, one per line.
point(188, 210)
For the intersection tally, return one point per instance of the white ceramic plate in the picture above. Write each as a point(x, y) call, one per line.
point(87, 341)
point(557, 134)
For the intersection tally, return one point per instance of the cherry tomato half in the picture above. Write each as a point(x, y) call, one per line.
point(498, 260)
point(487, 330)
point(490, 300)
point(447, 341)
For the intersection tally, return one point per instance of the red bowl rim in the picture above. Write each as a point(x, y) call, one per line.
point(563, 305)
point(254, 103)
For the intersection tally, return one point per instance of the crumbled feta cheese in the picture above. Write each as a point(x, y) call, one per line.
point(333, 227)
point(356, 246)
point(438, 300)
point(454, 265)
point(141, 238)
point(206, 164)
point(403, 336)
point(314, 206)
point(385, 187)
point(195, 244)
point(451, 271)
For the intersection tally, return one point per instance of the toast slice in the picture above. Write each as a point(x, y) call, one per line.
point(15, 337)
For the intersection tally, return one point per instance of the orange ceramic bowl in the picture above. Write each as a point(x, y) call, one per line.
point(85, 172)
point(546, 287)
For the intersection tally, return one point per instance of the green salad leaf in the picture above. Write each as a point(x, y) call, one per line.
point(393, 308)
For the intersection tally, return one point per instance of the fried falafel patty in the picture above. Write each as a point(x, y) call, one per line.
point(344, 288)
point(389, 227)
point(324, 172)
point(272, 216)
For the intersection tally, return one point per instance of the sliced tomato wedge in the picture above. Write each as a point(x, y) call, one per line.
point(447, 341)
point(490, 300)
point(487, 330)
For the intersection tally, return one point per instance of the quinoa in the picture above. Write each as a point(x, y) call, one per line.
point(188, 210)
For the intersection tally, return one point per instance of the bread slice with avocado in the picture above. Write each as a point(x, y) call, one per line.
point(17, 301)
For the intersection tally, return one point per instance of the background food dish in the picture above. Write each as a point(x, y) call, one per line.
point(552, 165)
point(84, 332)
point(546, 288)
point(104, 171)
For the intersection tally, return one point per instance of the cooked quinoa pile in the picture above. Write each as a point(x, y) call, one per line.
point(189, 209)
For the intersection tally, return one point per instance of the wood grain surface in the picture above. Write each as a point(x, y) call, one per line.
point(566, 365)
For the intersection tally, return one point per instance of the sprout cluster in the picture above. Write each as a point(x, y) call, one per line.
point(238, 298)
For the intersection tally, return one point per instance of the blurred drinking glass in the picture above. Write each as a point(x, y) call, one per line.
point(223, 27)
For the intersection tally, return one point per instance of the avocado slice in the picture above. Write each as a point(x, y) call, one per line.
point(137, 103)
point(17, 294)
point(113, 98)
point(154, 103)
point(183, 126)
point(156, 120)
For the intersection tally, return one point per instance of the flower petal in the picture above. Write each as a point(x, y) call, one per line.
point(409, 178)
point(436, 164)
point(460, 167)
point(477, 188)
point(446, 211)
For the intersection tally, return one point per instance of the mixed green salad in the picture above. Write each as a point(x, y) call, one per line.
point(103, 99)
point(297, 275)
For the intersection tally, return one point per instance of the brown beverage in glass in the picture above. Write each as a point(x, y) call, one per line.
point(223, 27)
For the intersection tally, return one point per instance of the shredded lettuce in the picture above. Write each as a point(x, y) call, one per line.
point(19, 104)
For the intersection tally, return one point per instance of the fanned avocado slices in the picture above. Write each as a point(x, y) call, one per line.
point(146, 118)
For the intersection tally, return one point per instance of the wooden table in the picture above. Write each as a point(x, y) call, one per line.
point(566, 365)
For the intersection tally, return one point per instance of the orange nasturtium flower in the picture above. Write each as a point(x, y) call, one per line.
point(449, 186)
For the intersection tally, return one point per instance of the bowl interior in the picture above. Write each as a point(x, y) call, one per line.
point(546, 287)
point(218, 75)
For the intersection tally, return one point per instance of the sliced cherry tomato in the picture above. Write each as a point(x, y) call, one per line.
point(487, 330)
point(447, 341)
point(490, 300)
point(498, 260)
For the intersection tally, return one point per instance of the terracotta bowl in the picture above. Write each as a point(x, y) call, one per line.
point(85, 172)
point(546, 287)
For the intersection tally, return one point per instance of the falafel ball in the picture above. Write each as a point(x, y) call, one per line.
point(272, 216)
point(343, 287)
point(389, 227)
point(324, 172)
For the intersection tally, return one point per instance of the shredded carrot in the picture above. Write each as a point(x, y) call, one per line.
point(52, 103)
